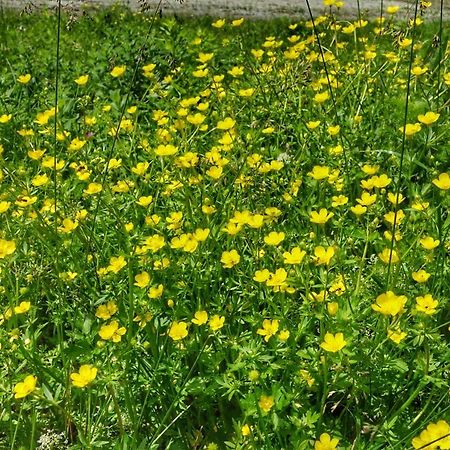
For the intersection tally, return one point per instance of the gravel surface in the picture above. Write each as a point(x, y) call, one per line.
point(238, 8)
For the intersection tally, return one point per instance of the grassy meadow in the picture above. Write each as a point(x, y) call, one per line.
point(224, 234)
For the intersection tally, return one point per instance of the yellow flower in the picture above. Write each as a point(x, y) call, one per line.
point(40, 180)
point(178, 330)
point(237, 22)
point(106, 311)
point(25, 200)
point(333, 130)
point(216, 322)
point(218, 23)
point(278, 278)
point(24, 79)
point(323, 255)
point(389, 256)
point(436, 435)
point(144, 201)
point(396, 335)
point(230, 259)
point(68, 226)
point(332, 308)
point(118, 71)
point(226, 124)
point(76, 144)
point(236, 71)
point(339, 200)
point(428, 118)
point(319, 172)
point(321, 97)
point(82, 80)
point(6, 248)
point(443, 181)
point(116, 264)
point(410, 129)
point(420, 276)
point(381, 181)
point(261, 276)
point(23, 308)
point(321, 217)
point(295, 256)
point(390, 304)
point(5, 118)
point(426, 304)
point(85, 375)
point(112, 332)
point(333, 343)
point(367, 199)
point(196, 119)
point(25, 387)
point(392, 9)
point(274, 238)
point(246, 430)
point(166, 150)
point(4, 206)
point(269, 329)
point(93, 188)
point(325, 442)
point(312, 125)
point(266, 403)
point(156, 291)
point(200, 318)
point(429, 243)
point(358, 210)
point(142, 279)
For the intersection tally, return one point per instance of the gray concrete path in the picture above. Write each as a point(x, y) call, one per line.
point(244, 8)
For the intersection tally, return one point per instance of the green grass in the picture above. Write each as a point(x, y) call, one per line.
point(226, 161)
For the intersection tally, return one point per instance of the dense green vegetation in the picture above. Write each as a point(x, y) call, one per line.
point(228, 234)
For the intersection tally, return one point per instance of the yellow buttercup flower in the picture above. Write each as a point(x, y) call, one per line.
point(216, 322)
point(106, 311)
point(24, 79)
point(410, 129)
point(269, 329)
point(230, 259)
point(6, 248)
point(5, 118)
point(295, 256)
point(25, 387)
point(178, 330)
point(421, 276)
point(323, 255)
point(200, 318)
point(82, 80)
point(274, 238)
point(443, 181)
point(142, 280)
point(325, 442)
point(429, 243)
point(320, 217)
point(428, 118)
point(390, 304)
point(112, 332)
point(389, 256)
point(116, 264)
point(266, 403)
point(23, 307)
point(118, 71)
point(85, 375)
point(333, 342)
point(226, 124)
point(396, 335)
point(426, 304)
